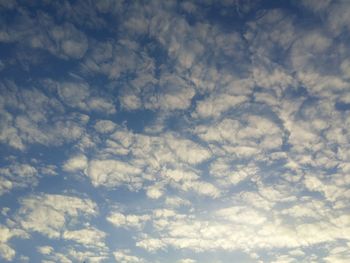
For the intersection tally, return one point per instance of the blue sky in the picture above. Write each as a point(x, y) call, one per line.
point(174, 131)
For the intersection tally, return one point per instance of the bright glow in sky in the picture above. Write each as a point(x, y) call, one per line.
point(175, 131)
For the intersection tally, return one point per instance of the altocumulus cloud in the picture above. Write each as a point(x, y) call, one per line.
point(174, 131)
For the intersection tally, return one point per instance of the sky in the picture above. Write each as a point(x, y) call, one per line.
point(164, 131)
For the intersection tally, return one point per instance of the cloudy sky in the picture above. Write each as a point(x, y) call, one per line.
point(175, 131)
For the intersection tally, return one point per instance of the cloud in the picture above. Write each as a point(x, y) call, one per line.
point(95, 254)
point(239, 215)
point(338, 17)
point(17, 175)
point(175, 201)
point(92, 255)
point(78, 95)
point(187, 150)
point(65, 41)
point(155, 191)
point(76, 163)
point(45, 250)
point(151, 244)
point(6, 233)
point(187, 260)
point(202, 188)
point(30, 117)
point(114, 173)
point(131, 102)
point(214, 107)
point(48, 214)
point(315, 6)
point(87, 237)
point(124, 256)
point(105, 126)
point(41, 32)
point(241, 138)
point(338, 254)
point(219, 128)
point(228, 175)
point(7, 252)
point(130, 220)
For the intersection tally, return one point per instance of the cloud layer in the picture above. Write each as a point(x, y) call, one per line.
point(175, 131)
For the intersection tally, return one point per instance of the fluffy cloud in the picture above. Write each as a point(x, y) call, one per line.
point(204, 127)
point(112, 173)
point(251, 231)
point(17, 176)
point(48, 214)
point(31, 117)
point(76, 163)
point(187, 151)
point(124, 256)
point(105, 126)
point(88, 237)
point(45, 250)
point(121, 220)
point(78, 95)
point(7, 252)
point(214, 107)
point(229, 175)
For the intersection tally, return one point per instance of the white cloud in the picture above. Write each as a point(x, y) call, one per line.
point(7, 252)
point(17, 175)
point(87, 236)
point(74, 93)
point(243, 227)
point(338, 254)
point(175, 94)
point(179, 175)
point(123, 256)
point(91, 255)
point(78, 95)
point(248, 144)
point(187, 150)
point(6, 233)
point(330, 191)
point(101, 105)
point(48, 214)
point(338, 17)
point(215, 106)
point(105, 126)
point(250, 136)
point(131, 101)
point(254, 199)
point(312, 210)
point(201, 188)
point(130, 220)
point(175, 201)
point(155, 191)
point(64, 41)
point(9, 134)
point(76, 163)
point(45, 250)
point(187, 260)
point(113, 173)
point(315, 6)
point(345, 68)
point(70, 41)
point(228, 174)
point(5, 185)
point(241, 215)
point(151, 244)
point(37, 119)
